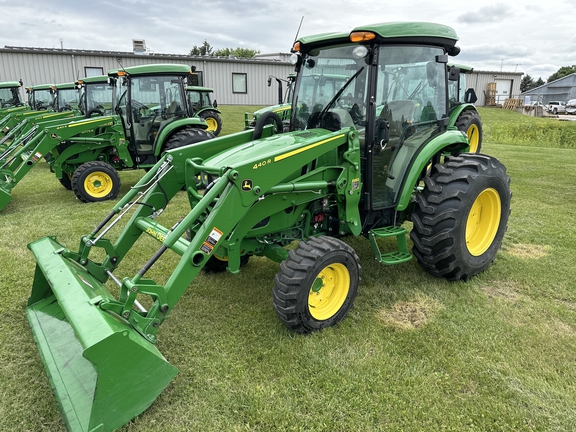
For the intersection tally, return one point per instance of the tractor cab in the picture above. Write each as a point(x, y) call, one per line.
point(457, 91)
point(393, 94)
point(200, 105)
point(95, 95)
point(67, 97)
point(42, 97)
point(148, 99)
point(10, 94)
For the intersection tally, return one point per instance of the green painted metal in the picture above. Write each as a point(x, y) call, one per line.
point(401, 255)
point(32, 135)
point(259, 196)
point(95, 390)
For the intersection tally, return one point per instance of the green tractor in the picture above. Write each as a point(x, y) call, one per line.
point(200, 105)
point(462, 101)
point(150, 117)
point(10, 99)
point(376, 152)
point(21, 127)
point(44, 104)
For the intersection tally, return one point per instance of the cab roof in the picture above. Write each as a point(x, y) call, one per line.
point(153, 69)
point(10, 84)
point(394, 33)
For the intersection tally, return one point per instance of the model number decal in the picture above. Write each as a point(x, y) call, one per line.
point(261, 164)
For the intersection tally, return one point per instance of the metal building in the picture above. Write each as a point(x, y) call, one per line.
point(563, 89)
point(493, 88)
point(235, 81)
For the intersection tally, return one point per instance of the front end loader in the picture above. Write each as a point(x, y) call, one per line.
point(359, 161)
point(150, 116)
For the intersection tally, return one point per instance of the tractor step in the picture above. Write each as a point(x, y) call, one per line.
point(389, 258)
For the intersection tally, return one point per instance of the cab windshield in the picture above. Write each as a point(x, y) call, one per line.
point(9, 97)
point(43, 99)
point(67, 99)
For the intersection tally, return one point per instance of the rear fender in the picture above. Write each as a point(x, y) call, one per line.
point(167, 131)
point(452, 141)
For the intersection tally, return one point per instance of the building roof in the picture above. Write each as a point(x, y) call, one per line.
point(66, 51)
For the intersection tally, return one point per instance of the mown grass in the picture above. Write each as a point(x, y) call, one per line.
point(416, 353)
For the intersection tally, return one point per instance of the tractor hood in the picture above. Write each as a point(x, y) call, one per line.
point(268, 151)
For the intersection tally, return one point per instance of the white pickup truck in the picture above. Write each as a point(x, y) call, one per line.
point(556, 107)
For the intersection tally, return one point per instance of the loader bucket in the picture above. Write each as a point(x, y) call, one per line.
point(5, 198)
point(102, 372)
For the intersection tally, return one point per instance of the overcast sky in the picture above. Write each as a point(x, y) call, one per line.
point(534, 37)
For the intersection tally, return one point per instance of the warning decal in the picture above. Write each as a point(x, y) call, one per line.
point(211, 241)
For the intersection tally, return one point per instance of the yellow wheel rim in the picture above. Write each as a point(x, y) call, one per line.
point(212, 124)
point(329, 291)
point(473, 138)
point(483, 221)
point(98, 184)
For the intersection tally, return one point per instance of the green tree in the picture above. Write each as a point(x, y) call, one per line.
point(204, 49)
point(562, 72)
point(527, 83)
point(539, 82)
point(236, 52)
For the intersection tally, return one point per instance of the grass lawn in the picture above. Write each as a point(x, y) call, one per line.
point(416, 353)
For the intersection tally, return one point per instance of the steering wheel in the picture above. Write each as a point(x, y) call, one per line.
point(346, 102)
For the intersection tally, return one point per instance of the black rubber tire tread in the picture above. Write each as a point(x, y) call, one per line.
point(214, 115)
point(84, 170)
point(465, 120)
point(269, 117)
point(214, 265)
point(187, 136)
point(441, 212)
point(66, 181)
point(297, 273)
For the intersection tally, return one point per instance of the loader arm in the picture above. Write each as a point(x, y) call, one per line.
point(21, 156)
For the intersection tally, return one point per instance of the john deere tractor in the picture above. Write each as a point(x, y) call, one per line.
point(200, 104)
point(46, 102)
point(360, 160)
point(150, 116)
point(10, 98)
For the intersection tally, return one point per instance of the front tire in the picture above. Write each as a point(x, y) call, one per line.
point(95, 181)
point(461, 216)
point(213, 121)
point(470, 124)
point(316, 285)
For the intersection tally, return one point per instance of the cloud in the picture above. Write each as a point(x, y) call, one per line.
point(487, 14)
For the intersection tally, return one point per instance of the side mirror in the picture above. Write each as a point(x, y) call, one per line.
point(453, 74)
point(215, 104)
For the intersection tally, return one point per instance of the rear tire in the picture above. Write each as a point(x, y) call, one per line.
point(469, 122)
point(187, 136)
point(213, 121)
point(316, 285)
point(461, 216)
point(95, 181)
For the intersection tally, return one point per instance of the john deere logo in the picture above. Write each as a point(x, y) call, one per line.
point(247, 185)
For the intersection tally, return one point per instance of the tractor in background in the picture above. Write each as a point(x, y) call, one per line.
point(200, 105)
point(361, 159)
point(10, 98)
point(150, 116)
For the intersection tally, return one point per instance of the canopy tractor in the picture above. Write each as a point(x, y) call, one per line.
point(359, 159)
point(150, 116)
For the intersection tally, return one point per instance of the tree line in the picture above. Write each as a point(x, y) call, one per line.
point(207, 50)
point(528, 82)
